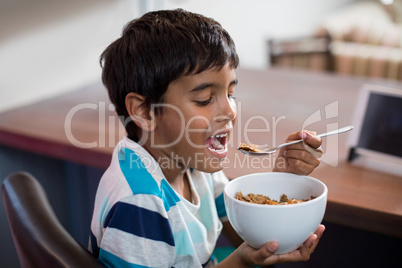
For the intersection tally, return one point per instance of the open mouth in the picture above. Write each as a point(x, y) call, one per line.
point(218, 142)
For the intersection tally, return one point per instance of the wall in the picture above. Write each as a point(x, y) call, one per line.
point(49, 47)
point(251, 23)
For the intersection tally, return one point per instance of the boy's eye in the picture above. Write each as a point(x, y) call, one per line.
point(232, 97)
point(204, 103)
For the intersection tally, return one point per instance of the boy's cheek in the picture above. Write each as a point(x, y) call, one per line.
point(198, 124)
point(235, 116)
point(234, 120)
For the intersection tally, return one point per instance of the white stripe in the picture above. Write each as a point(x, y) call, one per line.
point(138, 250)
point(220, 180)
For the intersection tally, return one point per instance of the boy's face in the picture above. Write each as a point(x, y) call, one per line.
point(198, 115)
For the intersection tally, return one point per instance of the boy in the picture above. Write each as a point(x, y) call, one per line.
point(171, 77)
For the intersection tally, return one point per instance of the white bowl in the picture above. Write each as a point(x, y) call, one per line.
point(288, 225)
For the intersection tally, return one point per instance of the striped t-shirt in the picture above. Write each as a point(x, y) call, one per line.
point(139, 220)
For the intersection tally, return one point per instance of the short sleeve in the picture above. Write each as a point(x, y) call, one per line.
point(134, 235)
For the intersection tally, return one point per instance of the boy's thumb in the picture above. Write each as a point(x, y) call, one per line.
point(272, 247)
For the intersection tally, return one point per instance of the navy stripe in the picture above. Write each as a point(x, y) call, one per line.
point(140, 222)
point(94, 245)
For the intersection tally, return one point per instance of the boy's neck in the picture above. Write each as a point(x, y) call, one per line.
point(179, 182)
point(174, 173)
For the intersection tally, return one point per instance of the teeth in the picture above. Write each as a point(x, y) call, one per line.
point(220, 135)
point(217, 146)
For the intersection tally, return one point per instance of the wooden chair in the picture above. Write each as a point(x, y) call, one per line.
point(304, 53)
point(39, 237)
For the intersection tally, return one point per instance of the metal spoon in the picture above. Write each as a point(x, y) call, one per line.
point(273, 150)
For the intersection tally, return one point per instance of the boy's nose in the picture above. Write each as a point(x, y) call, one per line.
point(227, 111)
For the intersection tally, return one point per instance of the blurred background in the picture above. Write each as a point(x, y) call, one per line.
point(48, 47)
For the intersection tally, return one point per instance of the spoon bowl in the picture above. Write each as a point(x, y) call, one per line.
point(269, 151)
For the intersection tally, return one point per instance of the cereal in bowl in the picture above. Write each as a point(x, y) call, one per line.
point(265, 200)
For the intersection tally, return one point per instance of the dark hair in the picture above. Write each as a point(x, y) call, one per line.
point(156, 49)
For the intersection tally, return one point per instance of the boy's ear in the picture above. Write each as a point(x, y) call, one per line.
point(139, 111)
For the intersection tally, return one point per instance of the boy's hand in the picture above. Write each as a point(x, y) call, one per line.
point(300, 158)
point(265, 255)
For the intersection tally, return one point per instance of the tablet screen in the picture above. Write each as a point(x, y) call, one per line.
point(381, 128)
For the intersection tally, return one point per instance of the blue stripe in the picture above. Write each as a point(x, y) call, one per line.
point(137, 176)
point(168, 195)
point(220, 206)
point(197, 232)
point(184, 246)
point(142, 182)
point(140, 222)
point(112, 260)
point(210, 182)
point(205, 211)
point(102, 208)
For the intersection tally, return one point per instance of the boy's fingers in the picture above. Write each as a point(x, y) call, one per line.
point(306, 152)
point(320, 230)
point(264, 255)
point(301, 162)
point(305, 249)
point(303, 253)
point(310, 138)
point(268, 250)
point(317, 152)
point(304, 156)
point(299, 167)
point(313, 240)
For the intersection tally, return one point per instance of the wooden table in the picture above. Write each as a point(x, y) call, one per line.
point(279, 99)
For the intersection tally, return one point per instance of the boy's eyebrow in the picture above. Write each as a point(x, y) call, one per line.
point(202, 87)
point(206, 85)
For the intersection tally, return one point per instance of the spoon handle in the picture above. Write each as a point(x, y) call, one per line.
point(336, 131)
point(333, 132)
